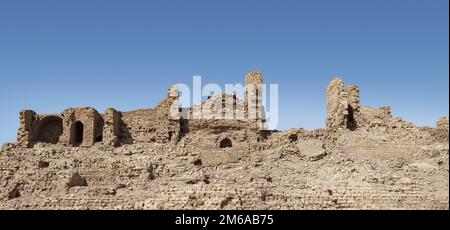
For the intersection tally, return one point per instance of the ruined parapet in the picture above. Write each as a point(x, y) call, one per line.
point(161, 125)
point(353, 98)
point(441, 132)
point(212, 108)
point(6, 148)
point(344, 109)
point(226, 106)
point(169, 107)
point(80, 127)
point(442, 123)
point(219, 106)
point(374, 117)
point(168, 114)
point(173, 92)
point(25, 132)
point(111, 127)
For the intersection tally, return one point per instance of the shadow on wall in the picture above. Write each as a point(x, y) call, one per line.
point(184, 128)
point(351, 122)
point(76, 134)
point(226, 143)
point(49, 129)
point(125, 136)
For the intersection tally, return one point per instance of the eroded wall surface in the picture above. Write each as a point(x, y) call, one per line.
point(158, 159)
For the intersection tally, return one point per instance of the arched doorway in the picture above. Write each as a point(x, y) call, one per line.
point(226, 143)
point(49, 129)
point(77, 133)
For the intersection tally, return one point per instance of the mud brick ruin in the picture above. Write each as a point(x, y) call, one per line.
point(84, 127)
point(190, 158)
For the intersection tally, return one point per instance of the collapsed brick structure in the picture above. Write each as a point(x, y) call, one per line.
point(74, 127)
point(190, 158)
point(345, 111)
point(85, 126)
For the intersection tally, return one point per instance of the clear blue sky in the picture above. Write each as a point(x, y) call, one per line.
point(125, 54)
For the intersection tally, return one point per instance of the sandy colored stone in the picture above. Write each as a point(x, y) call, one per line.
point(157, 159)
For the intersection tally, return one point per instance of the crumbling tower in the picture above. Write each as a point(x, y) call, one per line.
point(168, 114)
point(344, 110)
point(24, 134)
point(254, 110)
point(342, 105)
point(111, 128)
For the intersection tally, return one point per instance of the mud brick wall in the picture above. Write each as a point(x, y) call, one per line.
point(139, 126)
point(88, 118)
point(149, 159)
point(111, 127)
point(26, 120)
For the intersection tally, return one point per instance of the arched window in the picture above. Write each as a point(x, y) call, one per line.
point(226, 143)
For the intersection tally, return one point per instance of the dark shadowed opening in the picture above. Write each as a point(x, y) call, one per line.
point(49, 129)
point(170, 136)
point(77, 133)
point(99, 138)
point(226, 143)
point(351, 122)
point(293, 138)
